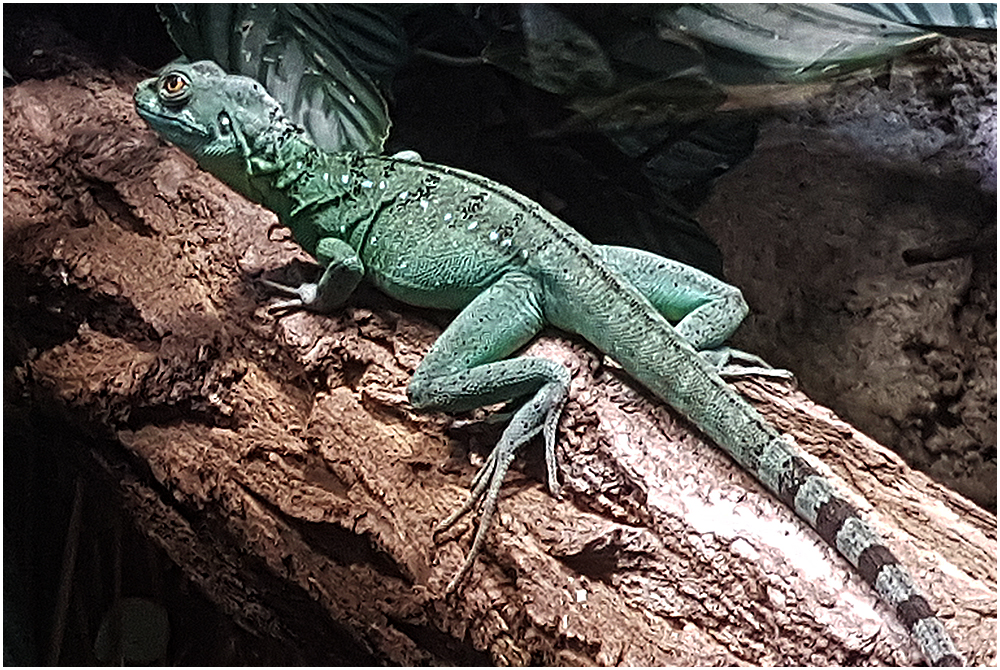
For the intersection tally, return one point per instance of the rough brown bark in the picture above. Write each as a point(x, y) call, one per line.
point(277, 461)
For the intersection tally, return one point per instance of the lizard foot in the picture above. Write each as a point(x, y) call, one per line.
point(730, 363)
point(313, 296)
point(538, 415)
point(305, 294)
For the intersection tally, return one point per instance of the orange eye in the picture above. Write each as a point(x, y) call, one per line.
point(174, 87)
point(173, 84)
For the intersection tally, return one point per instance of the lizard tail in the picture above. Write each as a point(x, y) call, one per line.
point(840, 524)
point(778, 464)
point(684, 379)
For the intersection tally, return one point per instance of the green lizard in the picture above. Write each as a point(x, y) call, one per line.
point(435, 236)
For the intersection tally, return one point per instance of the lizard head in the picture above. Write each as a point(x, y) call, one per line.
point(221, 120)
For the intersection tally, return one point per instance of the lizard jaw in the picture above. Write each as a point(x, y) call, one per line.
point(175, 129)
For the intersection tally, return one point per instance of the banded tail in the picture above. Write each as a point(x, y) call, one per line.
point(745, 435)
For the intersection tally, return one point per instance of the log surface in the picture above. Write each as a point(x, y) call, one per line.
point(277, 461)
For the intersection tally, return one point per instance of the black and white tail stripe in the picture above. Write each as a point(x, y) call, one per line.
point(812, 497)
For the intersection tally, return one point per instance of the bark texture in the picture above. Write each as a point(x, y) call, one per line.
point(278, 463)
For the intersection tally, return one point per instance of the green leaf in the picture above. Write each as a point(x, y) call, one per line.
point(765, 43)
point(562, 58)
point(934, 15)
point(613, 73)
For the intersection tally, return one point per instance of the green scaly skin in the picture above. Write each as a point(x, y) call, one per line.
point(434, 236)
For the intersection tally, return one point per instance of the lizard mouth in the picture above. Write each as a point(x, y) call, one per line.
point(172, 124)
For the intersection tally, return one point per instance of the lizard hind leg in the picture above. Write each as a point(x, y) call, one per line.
point(467, 367)
point(528, 422)
point(704, 310)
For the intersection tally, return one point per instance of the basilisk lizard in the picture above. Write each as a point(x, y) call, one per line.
point(435, 236)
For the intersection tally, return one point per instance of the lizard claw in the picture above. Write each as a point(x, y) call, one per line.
point(732, 371)
point(305, 295)
point(730, 363)
point(305, 292)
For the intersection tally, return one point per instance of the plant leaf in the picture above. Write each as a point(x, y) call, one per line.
point(766, 43)
point(933, 15)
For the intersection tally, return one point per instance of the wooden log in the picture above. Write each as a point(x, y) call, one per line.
point(277, 461)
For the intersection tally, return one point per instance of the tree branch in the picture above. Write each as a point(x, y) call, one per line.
point(278, 463)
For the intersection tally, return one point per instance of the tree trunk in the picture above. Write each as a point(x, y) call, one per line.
point(277, 461)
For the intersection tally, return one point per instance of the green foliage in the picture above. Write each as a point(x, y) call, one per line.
point(936, 15)
point(765, 43)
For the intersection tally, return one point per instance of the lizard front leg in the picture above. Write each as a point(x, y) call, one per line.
point(466, 369)
point(342, 271)
point(705, 310)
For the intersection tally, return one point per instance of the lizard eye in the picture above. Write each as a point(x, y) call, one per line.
point(174, 88)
